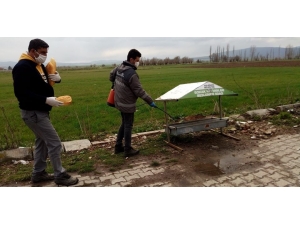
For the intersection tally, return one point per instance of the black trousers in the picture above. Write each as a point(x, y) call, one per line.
point(125, 130)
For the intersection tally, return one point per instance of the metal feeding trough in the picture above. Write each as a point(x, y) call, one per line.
point(194, 90)
point(197, 125)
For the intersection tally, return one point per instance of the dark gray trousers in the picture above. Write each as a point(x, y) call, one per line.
point(125, 130)
point(47, 142)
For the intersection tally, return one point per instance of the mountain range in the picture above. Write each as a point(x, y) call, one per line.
point(5, 65)
point(272, 52)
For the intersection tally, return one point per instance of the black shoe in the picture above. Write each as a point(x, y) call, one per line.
point(119, 149)
point(65, 180)
point(131, 152)
point(41, 177)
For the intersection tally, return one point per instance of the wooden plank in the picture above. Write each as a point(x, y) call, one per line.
point(227, 135)
point(173, 146)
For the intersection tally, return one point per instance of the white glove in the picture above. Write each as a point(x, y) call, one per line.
point(53, 102)
point(55, 77)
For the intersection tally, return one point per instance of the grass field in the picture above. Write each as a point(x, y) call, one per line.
point(90, 117)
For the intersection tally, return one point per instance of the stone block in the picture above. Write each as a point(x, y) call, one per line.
point(18, 153)
point(76, 145)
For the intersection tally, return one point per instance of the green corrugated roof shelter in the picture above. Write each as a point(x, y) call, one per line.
point(195, 90)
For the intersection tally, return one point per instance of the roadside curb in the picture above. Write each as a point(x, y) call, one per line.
point(27, 153)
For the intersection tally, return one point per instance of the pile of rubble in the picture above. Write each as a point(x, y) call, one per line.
point(255, 129)
point(259, 129)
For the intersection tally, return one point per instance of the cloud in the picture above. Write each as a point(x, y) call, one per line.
point(86, 32)
point(88, 49)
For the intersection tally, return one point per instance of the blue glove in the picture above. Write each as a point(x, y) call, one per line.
point(153, 105)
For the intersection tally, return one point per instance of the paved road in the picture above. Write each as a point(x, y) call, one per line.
point(278, 165)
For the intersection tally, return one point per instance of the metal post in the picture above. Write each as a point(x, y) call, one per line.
point(220, 108)
point(167, 121)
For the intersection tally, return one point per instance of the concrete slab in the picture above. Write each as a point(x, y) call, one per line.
point(18, 153)
point(76, 145)
point(259, 112)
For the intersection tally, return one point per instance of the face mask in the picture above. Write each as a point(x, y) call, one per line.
point(137, 64)
point(41, 58)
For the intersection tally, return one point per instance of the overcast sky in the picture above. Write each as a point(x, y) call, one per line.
point(87, 32)
point(87, 49)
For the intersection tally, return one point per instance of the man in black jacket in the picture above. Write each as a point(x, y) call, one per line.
point(128, 89)
point(36, 99)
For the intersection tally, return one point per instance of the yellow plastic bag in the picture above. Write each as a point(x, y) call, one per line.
point(51, 69)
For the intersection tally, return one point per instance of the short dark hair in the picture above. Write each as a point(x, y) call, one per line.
point(133, 53)
point(37, 44)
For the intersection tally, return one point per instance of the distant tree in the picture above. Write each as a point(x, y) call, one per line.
point(167, 61)
point(271, 54)
point(245, 55)
point(147, 62)
point(210, 54)
point(267, 56)
point(241, 55)
point(237, 58)
point(142, 63)
point(214, 57)
point(160, 62)
point(298, 53)
point(154, 61)
point(289, 52)
point(184, 60)
point(227, 52)
point(256, 58)
point(223, 57)
point(177, 60)
point(252, 52)
point(9, 68)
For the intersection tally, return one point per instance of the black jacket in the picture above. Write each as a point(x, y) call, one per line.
point(30, 88)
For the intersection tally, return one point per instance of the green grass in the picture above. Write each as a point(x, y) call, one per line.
point(15, 173)
point(90, 117)
point(285, 119)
